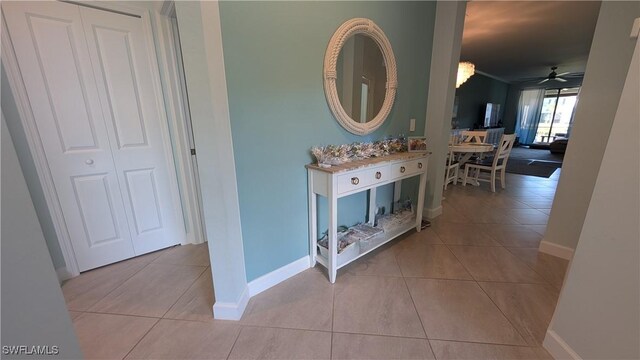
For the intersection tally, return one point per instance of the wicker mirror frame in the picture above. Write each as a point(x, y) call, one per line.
point(342, 34)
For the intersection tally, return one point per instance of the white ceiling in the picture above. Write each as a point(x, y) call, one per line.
point(513, 40)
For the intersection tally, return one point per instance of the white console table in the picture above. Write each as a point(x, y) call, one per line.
point(353, 177)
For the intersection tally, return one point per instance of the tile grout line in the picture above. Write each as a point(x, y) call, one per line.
point(279, 327)
point(144, 267)
point(119, 285)
point(120, 314)
point(503, 314)
point(417, 313)
point(485, 343)
point(532, 269)
point(235, 341)
point(185, 291)
point(493, 302)
point(506, 248)
point(331, 346)
point(141, 338)
point(473, 278)
point(125, 280)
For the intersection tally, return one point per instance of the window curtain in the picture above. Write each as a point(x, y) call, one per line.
point(573, 114)
point(529, 110)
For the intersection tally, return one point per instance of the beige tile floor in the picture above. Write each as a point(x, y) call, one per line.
point(472, 286)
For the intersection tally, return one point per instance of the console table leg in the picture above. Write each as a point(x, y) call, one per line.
point(419, 208)
point(372, 206)
point(397, 190)
point(333, 234)
point(313, 223)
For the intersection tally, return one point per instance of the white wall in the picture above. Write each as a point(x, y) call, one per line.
point(598, 314)
point(609, 59)
point(33, 309)
point(14, 124)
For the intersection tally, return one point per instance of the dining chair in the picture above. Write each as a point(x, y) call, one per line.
point(452, 168)
point(499, 163)
point(474, 136)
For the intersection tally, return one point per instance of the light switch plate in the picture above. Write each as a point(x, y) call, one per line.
point(412, 125)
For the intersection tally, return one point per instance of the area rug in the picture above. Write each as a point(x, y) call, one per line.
point(525, 153)
point(531, 167)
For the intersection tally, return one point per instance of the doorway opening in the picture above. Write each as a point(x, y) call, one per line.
point(556, 116)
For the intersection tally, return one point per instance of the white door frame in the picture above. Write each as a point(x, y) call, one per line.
point(172, 78)
point(37, 150)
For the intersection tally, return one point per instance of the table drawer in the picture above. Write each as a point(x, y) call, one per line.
point(408, 168)
point(363, 178)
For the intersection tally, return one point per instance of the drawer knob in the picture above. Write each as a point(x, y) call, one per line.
point(355, 180)
point(402, 169)
point(419, 165)
point(378, 175)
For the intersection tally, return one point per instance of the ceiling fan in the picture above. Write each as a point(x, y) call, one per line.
point(554, 76)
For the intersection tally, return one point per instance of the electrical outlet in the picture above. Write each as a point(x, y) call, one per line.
point(412, 124)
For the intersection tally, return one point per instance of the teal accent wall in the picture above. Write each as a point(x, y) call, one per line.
point(474, 94)
point(274, 55)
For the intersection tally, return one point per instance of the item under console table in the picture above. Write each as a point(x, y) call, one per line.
point(353, 177)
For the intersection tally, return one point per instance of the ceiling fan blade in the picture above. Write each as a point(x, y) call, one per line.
point(537, 78)
point(560, 79)
point(563, 74)
point(543, 81)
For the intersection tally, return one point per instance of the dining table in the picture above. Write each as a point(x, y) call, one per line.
point(465, 151)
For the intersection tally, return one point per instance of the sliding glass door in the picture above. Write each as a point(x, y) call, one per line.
point(557, 113)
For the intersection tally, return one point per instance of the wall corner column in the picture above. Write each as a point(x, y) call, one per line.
point(447, 42)
point(202, 52)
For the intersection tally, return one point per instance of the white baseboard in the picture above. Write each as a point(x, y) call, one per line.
point(63, 274)
point(279, 275)
point(556, 250)
point(558, 348)
point(432, 213)
point(231, 311)
point(234, 311)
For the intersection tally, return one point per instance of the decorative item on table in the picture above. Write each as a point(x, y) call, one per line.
point(345, 238)
point(402, 214)
point(380, 210)
point(402, 205)
point(366, 231)
point(417, 144)
point(348, 236)
point(369, 239)
point(395, 145)
point(331, 154)
point(404, 146)
point(392, 222)
point(381, 148)
point(359, 151)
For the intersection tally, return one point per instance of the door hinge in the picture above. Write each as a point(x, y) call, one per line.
point(193, 151)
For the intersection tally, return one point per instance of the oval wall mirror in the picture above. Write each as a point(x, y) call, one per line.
point(360, 77)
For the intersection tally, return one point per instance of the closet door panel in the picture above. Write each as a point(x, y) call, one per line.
point(121, 55)
point(119, 75)
point(50, 46)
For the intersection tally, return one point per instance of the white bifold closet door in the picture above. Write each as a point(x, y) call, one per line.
point(90, 83)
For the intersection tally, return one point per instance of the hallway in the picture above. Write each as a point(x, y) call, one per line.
point(472, 285)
